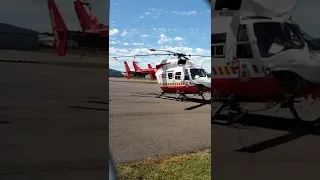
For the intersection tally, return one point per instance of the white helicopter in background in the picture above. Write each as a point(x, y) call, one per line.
point(179, 75)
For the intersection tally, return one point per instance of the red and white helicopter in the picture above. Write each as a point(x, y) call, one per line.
point(179, 75)
point(138, 71)
point(260, 56)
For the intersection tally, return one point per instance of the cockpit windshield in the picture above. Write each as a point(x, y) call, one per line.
point(313, 43)
point(199, 72)
point(271, 34)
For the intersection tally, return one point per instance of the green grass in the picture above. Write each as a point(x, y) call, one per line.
point(195, 166)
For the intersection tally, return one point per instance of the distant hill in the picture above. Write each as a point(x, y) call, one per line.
point(114, 73)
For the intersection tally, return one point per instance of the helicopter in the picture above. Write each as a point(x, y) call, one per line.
point(179, 75)
point(138, 72)
point(260, 56)
point(94, 35)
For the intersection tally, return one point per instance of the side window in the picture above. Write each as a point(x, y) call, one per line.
point(218, 42)
point(219, 50)
point(243, 50)
point(169, 75)
point(186, 75)
point(177, 75)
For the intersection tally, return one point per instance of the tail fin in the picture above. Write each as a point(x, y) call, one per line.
point(84, 18)
point(152, 75)
point(59, 28)
point(128, 71)
point(135, 66)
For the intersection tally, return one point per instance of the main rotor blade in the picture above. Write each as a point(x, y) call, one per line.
point(199, 55)
point(141, 55)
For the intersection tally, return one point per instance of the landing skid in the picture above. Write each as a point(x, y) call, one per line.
point(234, 110)
point(201, 94)
point(160, 94)
point(182, 96)
point(233, 105)
point(289, 103)
point(84, 53)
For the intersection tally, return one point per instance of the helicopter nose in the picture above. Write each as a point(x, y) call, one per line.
point(207, 84)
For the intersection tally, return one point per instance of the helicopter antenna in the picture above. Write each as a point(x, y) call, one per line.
point(88, 4)
point(293, 9)
point(203, 62)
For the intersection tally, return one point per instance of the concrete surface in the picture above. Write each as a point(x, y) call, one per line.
point(269, 146)
point(50, 57)
point(54, 122)
point(142, 125)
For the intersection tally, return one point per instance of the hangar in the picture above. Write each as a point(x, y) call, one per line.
point(13, 37)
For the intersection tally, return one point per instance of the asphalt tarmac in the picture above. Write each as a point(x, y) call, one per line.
point(267, 145)
point(54, 122)
point(142, 125)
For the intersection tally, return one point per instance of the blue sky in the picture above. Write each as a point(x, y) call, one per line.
point(179, 25)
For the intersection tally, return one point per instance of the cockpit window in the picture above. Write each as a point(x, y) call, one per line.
point(270, 34)
point(312, 42)
point(199, 72)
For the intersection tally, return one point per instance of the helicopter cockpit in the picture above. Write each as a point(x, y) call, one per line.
point(197, 72)
point(276, 37)
point(313, 43)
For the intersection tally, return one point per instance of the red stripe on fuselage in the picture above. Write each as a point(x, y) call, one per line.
point(255, 89)
point(258, 89)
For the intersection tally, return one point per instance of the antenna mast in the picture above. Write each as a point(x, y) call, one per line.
point(88, 4)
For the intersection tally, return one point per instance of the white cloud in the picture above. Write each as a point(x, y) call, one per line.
point(155, 13)
point(126, 44)
point(144, 35)
point(178, 38)
point(163, 39)
point(124, 33)
point(113, 50)
point(200, 50)
point(190, 13)
point(138, 44)
point(185, 13)
point(113, 32)
point(114, 41)
point(163, 30)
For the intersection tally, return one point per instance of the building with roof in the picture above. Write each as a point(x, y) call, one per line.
point(13, 37)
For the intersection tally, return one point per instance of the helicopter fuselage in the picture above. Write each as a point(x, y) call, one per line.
point(247, 54)
point(182, 78)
